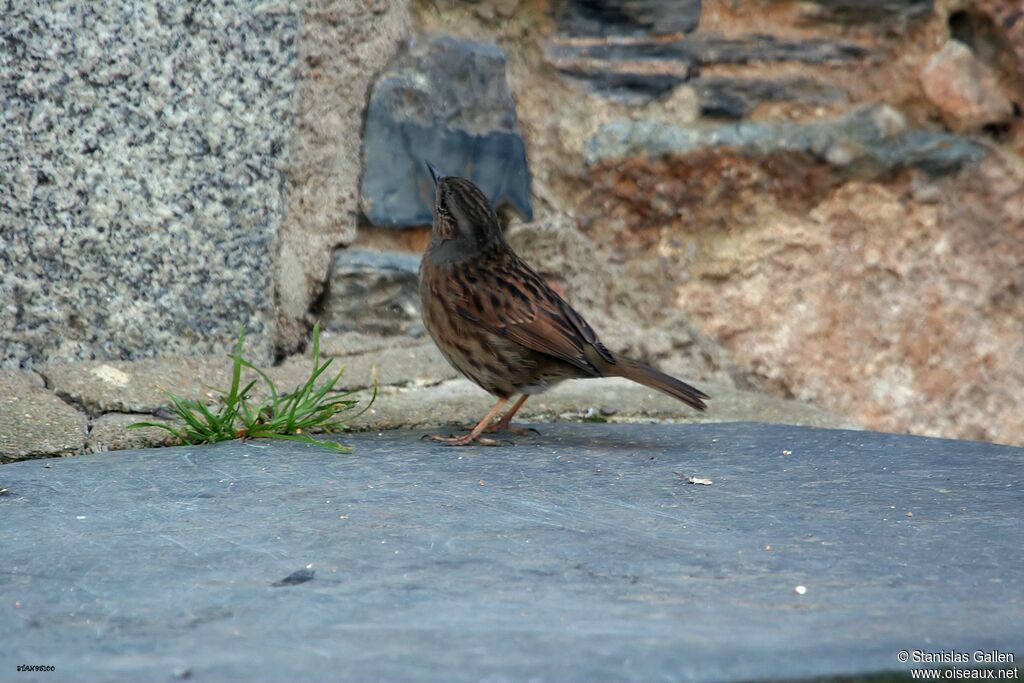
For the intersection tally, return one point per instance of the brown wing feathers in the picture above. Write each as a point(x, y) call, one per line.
point(541, 320)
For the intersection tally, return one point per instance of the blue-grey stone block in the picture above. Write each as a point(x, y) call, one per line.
point(447, 101)
point(867, 142)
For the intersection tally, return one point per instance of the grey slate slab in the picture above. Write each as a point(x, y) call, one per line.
point(581, 555)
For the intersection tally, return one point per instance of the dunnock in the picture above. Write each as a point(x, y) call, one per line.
point(500, 324)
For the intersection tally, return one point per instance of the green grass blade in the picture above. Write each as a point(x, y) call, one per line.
point(159, 425)
point(307, 408)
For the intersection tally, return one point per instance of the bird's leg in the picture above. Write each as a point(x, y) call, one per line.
point(475, 434)
point(505, 423)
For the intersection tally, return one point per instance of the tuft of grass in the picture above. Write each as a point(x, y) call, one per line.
point(290, 416)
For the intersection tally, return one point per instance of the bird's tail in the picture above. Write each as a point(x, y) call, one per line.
point(655, 379)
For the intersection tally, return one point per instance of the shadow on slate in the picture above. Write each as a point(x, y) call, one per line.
point(582, 555)
point(445, 100)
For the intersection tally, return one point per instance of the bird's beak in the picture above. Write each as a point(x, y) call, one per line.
point(434, 173)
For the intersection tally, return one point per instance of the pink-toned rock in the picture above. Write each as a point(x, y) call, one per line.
point(964, 89)
point(897, 307)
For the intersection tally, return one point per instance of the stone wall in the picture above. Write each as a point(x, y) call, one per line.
point(817, 200)
point(829, 190)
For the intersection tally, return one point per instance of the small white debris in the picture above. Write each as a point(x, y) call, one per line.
point(112, 375)
point(699, 480)
point(800, 590)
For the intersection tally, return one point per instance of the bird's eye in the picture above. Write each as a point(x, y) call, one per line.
point(442, 203)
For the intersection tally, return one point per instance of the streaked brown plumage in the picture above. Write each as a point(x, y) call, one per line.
point(497, 321)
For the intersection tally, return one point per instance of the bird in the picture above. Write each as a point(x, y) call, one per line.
point(497, 321)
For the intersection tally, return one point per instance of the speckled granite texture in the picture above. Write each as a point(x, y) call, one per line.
point(142, 162)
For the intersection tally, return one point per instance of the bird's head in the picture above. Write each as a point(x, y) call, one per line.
point(462, 212)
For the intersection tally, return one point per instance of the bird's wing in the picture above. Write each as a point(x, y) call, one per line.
point(510, 299)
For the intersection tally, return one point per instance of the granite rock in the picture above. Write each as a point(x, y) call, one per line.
point(868, 142)
point(444, 100)
point(342, 47)
point(34, 422)
point(375, 292)
point(143, 166)
point(964, 89)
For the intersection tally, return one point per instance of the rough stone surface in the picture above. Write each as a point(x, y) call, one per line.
point(858, 12)
point(110, 433)
point(642, 69)
point(904, 316)
point(995, 29)
point(628, 18)
point(737, 98)
point(964, 89)
point(594, 400)
point(142, 386)
point(34, 421)
point(374, 292)
point(689, 219)
point(342, 47)
point(417, 365)
point(445, 100)
point(353, 343)
point(139, 386)
point(583, 556)
point(866, 143)
point(707, 49)
point(143, 171)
